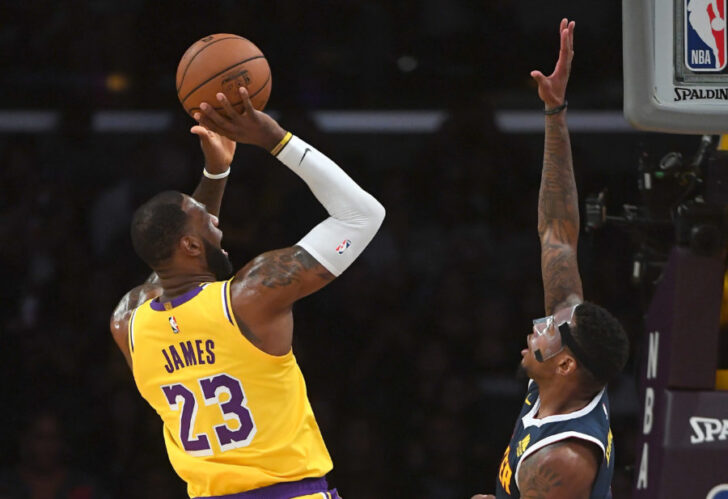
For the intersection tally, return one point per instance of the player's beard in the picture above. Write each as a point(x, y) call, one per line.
point(217, 261)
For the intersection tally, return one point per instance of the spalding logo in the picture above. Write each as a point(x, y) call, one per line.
point(708, 429)
point(718, 492)
point(343, 246)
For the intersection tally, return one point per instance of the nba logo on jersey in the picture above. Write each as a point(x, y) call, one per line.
point(173, 323)
point(343, 246)
point(705, 35)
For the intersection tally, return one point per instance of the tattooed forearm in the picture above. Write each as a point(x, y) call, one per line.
point(558, 201)
point(558, 218)
point(284, 267)
point(538, 480)
point(562, 283)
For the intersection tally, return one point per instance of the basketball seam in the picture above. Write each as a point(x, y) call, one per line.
point(265, 83)
point(218, 108)
point(218, 74)
point(184, 73)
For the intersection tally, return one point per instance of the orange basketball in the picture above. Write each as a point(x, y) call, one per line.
point(222, 63)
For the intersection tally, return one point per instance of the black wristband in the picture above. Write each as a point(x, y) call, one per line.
point(557, 109)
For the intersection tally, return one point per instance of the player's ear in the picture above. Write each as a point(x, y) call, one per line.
point(190, 245)
point(566, 364)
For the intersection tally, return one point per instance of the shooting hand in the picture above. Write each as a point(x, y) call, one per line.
point(247, 127)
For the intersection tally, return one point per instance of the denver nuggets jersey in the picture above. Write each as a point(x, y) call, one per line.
point(531, 434)
point(234, 417)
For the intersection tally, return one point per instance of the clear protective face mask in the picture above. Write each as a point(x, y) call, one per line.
point(546, 340)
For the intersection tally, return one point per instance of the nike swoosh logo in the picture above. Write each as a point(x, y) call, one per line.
point(304, 155)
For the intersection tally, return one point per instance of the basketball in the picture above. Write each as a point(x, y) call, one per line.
point(222, 63)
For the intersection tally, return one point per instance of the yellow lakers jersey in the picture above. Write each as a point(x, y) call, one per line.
point(234, 417)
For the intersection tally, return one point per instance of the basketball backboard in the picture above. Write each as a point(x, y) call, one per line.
point(676, 65)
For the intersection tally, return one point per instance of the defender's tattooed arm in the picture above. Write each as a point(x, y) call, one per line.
point(558, 208)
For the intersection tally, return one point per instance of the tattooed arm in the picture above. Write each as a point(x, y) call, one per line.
point(563, 470)
point(263, 293)
point(558, 207)
point(119, 323)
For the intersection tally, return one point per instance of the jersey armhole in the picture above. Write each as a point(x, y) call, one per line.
point(230, 316)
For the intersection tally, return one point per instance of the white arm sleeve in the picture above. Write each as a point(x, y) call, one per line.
point(355, 216)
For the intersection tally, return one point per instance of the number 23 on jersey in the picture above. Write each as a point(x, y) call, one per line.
point(227, 393)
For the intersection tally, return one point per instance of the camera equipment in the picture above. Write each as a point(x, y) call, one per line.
point(684, 203)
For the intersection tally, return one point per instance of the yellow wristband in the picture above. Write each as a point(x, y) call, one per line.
point(286, 138)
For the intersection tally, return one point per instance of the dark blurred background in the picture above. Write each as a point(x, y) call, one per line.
point(410, 356)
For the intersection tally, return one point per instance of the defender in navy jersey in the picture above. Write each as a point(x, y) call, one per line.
point(561, 446)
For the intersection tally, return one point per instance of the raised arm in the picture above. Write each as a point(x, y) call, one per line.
point(218, 152)
point(558, 207)
point(265, 289)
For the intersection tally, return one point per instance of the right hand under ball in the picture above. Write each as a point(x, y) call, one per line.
point(247, 127)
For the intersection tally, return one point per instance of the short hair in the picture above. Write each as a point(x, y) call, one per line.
point(602, 340)
point(156, 227)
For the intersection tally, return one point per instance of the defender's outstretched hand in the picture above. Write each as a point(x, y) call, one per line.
point(247, 127)
point(218, 150)
point(552, 88)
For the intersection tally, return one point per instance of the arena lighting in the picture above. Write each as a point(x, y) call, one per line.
point(334, 121)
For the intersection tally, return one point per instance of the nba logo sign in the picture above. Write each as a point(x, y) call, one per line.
point(173, 323)
point(343, 246)
point(705, 35)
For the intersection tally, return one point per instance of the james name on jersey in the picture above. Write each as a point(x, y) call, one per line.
point(190, 353)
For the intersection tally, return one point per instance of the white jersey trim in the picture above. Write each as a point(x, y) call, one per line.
point(555, 438)
point(530, 420)
point(224, 300)
point(131, 329)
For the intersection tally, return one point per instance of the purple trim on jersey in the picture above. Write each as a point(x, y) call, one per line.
point(286, 490)
point(176, 302)
point(225, 303)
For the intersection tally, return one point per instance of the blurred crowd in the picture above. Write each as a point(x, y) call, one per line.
point(323, 53)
